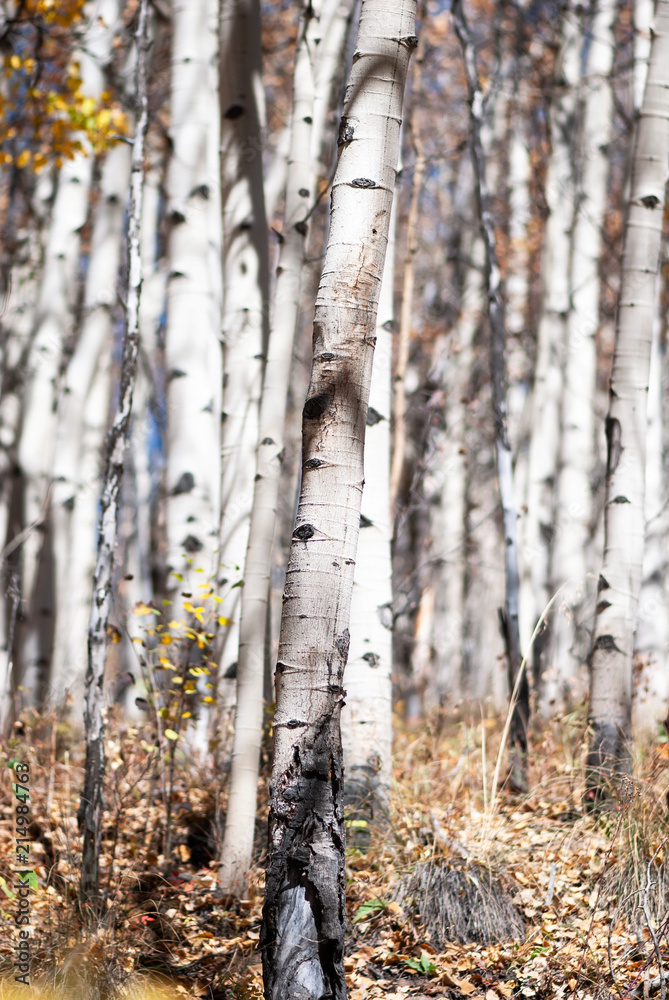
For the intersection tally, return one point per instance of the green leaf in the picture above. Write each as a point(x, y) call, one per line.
point(367, 909)
point(30, 878)
point(5, 888)
point(171, 735)
point(424, 964)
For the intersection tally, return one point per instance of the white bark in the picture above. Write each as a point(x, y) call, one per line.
point(567, 680)
point(544, 447)
point(193, 352)
point(237, 848)
point(53, 326)
point(302, 945)
point(650, 696)
point(92, 796)
point(246, 281)
point(626, 428)
point(366, 718)
point(81, 426)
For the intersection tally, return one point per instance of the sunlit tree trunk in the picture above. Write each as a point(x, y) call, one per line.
point(626, 427)
point(92, 796)
point(574, 508)
point(236, 851)
point(650, 702)
point(302, 943)
point(366, 720)
point(81, 427)
point(193, 352)
point(53, 326)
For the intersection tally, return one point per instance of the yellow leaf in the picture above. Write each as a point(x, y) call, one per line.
point(166, 640)
point(215, 597)
point(208, 699)
point(222, 620)
point(144, 609)
point(171, 735)
point(23, 159)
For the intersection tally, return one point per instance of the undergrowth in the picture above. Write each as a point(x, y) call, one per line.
point(585, 896)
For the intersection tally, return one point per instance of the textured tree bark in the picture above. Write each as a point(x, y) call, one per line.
point(92, 796)
point(302, 938)
point(237, 847)
point(521, 707)
point(366, 721)
point(193, 352)
point(620, 579)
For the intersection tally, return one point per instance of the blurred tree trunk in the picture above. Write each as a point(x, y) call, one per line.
point(245, 302)
point(92, 795)
point(518, 685)
point(302, 940)
point(566, 683)
point(81, 427)
point(536, 584)
point(56, 307)
point(237, 847)
point(626, 429)
point(193, 352)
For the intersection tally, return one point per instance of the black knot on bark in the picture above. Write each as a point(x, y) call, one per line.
point(372, 658)
point(313, 463)
point(602, 583)
point(363, 182)
point(192, 544)
point(233, 112)
point(373, 416)
point(184, 485)
point(620, 499)
point(346, 131)
point(304, 532)
point(301, 228)
point(267, 441)
point(607, 644)
point(316, 406)
point(303, 193)
point(650, 201)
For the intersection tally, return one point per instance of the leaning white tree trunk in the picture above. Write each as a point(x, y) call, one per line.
point(620, 578)
point(237, 848)
point(76, 464)
point(92, 795)
point(245, 295)
point(193, 352)
point(567, 681)
point(302, 943)
point(366, 720)
point(55, 313)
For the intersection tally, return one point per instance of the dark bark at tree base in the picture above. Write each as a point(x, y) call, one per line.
point(302, 941)
point(609, 762)
point(89, 818)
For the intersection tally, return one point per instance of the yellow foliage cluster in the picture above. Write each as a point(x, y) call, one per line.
point(44, 115)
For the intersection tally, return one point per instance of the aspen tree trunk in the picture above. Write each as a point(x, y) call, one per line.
point(193, 352)
point(53, 326)
point(245, 295)
point(536, 585)
point(650, 694)
point(520, 711)
point(366, 720)
point(76, 463)
point(620, 578)
point(92, 796)
point(406, 309)
point(237, 848)
point(302, 938)
point(450, 513)
point(574, 508)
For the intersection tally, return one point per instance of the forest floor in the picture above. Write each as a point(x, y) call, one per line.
point(591, 890)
